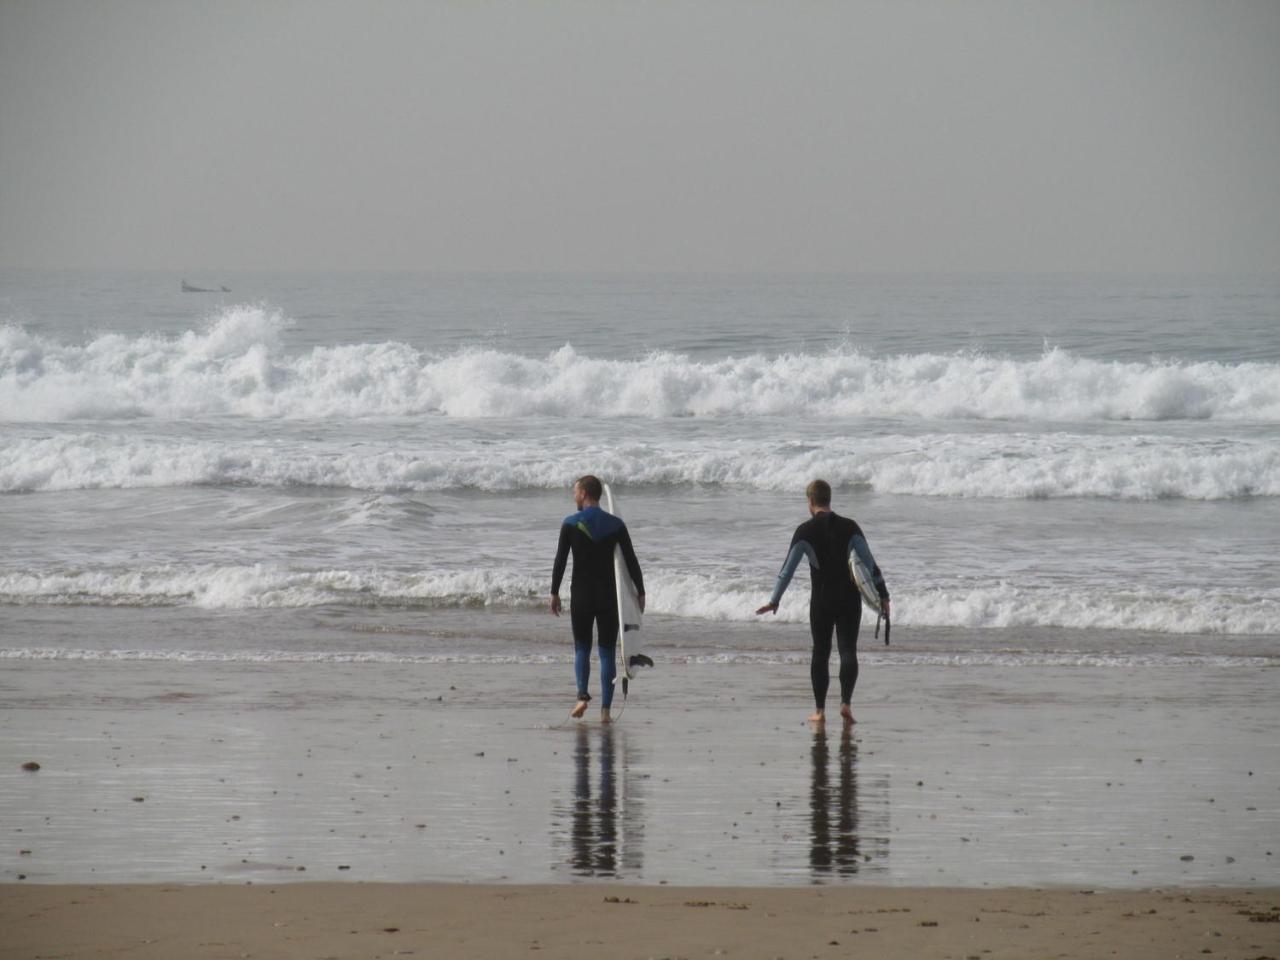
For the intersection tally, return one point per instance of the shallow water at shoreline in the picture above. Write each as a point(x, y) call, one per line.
point(424, 635)
point(1088, 453)
point(1034, 775)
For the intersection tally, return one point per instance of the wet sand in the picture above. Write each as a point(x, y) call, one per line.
point(164, 772)
point(581, 921)
point(449, 810)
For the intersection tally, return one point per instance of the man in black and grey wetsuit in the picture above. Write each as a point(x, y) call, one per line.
point(827, 541)
point(591, 536)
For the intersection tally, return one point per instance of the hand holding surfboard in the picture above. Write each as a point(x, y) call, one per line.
point(870, 596)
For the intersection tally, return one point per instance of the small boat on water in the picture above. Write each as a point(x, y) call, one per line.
point(188, 288)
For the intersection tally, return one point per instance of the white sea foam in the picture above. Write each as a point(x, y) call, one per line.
point(270, 656)
point(1000, 606)
point(978, 658)
point(957, 465)
point(700, 597)
point(238, 367)
point(962, 659)
point(266, 585)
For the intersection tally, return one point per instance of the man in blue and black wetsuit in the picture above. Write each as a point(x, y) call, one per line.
point(827, 541)
point(591, 535)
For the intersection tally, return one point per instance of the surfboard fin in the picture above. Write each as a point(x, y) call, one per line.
point(640, 660)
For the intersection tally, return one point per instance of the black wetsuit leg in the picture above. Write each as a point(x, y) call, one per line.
point(820, 626)
point(843, 622)
point(582, 620)
point(605, 621)
point(847, 623)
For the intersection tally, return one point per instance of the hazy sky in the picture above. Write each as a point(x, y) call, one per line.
point(689, 136)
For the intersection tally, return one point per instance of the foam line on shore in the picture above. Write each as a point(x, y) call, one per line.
point(704, 597)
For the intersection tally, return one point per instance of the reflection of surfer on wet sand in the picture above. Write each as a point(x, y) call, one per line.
point(603, 819)
point(834, 847)
point(848, 816)
point(594, 831)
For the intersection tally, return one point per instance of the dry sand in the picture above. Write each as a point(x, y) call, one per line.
point(588, 920)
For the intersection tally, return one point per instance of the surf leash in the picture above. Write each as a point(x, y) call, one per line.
point(623, 708)
point(569, 716)
point(879, 617)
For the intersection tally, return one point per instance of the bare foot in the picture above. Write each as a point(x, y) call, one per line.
point(579, 709)
point(605, 716)
point(819, 716)
point(847, 712)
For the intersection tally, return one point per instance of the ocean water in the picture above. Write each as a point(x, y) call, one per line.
point(1060, 470)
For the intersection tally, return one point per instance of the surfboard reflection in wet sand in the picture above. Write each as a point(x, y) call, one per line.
point(840, 843)
point(603, 821)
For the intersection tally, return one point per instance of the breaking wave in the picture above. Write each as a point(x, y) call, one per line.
point(239, 367)
point(998, 466)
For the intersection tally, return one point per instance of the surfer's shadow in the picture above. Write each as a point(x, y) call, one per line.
point(602, 821)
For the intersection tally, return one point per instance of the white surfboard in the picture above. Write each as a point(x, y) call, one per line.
point(866, 586)
point(633, 657)
point(870, 596)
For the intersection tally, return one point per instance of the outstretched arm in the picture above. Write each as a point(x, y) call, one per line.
point(800, 549)
point(557, 569)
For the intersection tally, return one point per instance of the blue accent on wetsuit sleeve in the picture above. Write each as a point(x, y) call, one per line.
point(859, 546)
point(799, 551)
